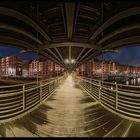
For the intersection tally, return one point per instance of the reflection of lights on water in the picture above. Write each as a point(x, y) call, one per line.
point(127, 82)
point(134, 80)
point(138, 81)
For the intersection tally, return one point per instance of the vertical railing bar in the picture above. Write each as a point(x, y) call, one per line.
point(99, 91)
point(91, 86)
point(116, 96)
point(49, 88)
point(40, 91)
point(23, 90)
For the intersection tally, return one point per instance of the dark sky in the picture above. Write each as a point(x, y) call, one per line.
point(129, 55)
point(7, 51)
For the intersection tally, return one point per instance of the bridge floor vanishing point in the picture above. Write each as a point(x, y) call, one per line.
point(70, 112)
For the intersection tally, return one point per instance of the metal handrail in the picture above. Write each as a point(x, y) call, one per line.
point(29, 95)
point(125, 103)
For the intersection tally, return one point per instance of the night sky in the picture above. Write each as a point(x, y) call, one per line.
point(129, 55)
point(8, 51)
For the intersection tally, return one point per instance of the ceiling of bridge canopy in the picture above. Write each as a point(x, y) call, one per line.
point(64, 31)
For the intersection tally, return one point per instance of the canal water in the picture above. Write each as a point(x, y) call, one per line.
point(134, 81)
point(125, 81)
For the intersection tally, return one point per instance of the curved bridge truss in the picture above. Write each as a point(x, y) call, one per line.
point(76, 30)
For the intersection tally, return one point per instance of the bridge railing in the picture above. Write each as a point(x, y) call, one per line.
point(124, 100)
point(18, 100)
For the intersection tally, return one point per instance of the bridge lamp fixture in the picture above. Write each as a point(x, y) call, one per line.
point(67, 61)
point(72, 61)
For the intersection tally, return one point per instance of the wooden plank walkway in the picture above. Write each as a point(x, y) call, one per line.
point(69, 112)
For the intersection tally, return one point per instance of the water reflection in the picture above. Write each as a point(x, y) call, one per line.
point(134, 81)
point(127, 82)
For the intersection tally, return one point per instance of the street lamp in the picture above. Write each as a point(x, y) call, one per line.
point(69, 61)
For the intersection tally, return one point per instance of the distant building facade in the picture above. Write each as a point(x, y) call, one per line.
point(96, 67)
point(25, 68)
point(43, 68)
point(11, 66)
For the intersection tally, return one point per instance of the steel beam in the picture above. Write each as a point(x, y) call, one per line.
point(125, 41)
point(122, 42)
point(86, 54)
point(121, 30)
point(53, 54)
point(70, 11)
point(25, 19)
point(80, 54)
point(24, 45)
point(76, 14)
point(73, 44)
point(59, 54)
point(117, 17)
point(18, 30)
point(16, 42)
point(70, 53)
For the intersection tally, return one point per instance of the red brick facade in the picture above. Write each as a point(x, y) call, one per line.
point(97, 68)
point(11, 66)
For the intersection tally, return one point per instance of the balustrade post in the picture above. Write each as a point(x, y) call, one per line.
point(116, 96)
point(55, 83)
point(57, 80)
point(78, 80)
point(49, 88)
point(86, 84)
point(90, 85)
point(23, 94)
point(100, 91)
point(40, 91)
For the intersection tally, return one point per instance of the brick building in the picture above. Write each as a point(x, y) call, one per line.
point(96, 67)
point(11, 66)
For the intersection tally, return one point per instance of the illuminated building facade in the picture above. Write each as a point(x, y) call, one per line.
point(25, 68)
point(11, 66)
point(43, 68)
point(97, 68)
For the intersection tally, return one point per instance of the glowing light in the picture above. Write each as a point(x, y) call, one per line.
point(66, 61)
point(134, 80)
point(131, 82)
point(72, 61)
point(138, 80)
point(127, 82)
point(11, 71)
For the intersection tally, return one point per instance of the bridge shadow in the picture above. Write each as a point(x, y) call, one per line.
point(30, 121)
point(2, 130)
point(87, 99)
